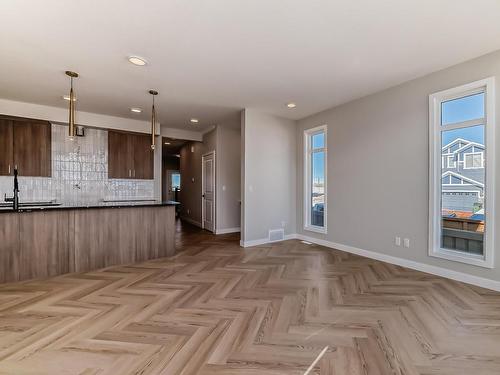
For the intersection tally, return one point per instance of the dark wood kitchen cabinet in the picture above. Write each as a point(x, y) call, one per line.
point(130, 156)
point(119, 155)
point(6, 147)
point(25, 143)
point(143, 157)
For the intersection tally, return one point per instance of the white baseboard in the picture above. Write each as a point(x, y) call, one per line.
point(434, 270)
point(263, 241)
point(227, 230)
point(191, 221)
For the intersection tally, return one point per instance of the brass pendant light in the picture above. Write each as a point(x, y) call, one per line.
point(71, 122)
point(153, 119)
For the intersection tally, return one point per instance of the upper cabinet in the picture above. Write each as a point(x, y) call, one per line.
point(6, 147)
point(130, 156)
point(25, 144)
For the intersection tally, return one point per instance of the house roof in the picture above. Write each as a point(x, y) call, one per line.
point(461, 140)
point(462, 177)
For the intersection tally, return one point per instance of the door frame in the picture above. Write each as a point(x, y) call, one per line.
point(203, 189)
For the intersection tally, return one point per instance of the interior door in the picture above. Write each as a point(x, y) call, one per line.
point(208, 191)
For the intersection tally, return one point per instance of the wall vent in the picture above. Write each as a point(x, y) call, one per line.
point(276, 235)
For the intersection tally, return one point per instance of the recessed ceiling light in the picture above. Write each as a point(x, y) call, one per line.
point(136, 60)
point(194, 121)
point(136, 110)
point(66, 97)
point(291, 105)
point(167, 143)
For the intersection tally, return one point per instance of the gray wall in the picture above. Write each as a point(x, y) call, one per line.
point(378, 166)
point(225, 141)
point(228, 176)
point(269, 174)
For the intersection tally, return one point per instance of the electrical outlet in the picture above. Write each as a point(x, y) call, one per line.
point(406, 242)
point(283, 224)
point(397, 241)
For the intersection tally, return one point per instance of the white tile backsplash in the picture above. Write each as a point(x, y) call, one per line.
point(79, 173)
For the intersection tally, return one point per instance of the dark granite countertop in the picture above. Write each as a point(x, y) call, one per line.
point(104, 204)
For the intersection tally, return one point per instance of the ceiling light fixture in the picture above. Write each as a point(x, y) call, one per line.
point(194, 121)
point(136, 110)
point(153, 119)
point(71, 120)
point(291, 105)
point(136, 60)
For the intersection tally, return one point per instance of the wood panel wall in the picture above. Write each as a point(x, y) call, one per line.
point(49, 243)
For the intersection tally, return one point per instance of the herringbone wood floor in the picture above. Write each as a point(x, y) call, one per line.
point(218, 309)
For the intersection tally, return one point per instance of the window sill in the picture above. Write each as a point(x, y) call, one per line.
point(315, 229)
point(458, 256)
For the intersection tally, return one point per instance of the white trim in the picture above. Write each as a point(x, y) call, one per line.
point(474, 153)
point(434, 270)
point(461, 177)
point(461, 140)
point(435, 174)
point(263, 241)
point(448, 164)
point(203, 189)
point(228, 230)
point(308, 134)
point(473, 144)
point(191, 221)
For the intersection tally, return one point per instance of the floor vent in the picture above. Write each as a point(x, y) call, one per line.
point(276, 235)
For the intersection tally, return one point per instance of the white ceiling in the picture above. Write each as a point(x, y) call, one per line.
point(209, 59)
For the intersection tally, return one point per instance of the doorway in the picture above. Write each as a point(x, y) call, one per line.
point(173, 185)
point(208, 191)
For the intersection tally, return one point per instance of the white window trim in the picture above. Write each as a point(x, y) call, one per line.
point(488, 86)
point(308, 133)
point(473, 153)
point(452, 159)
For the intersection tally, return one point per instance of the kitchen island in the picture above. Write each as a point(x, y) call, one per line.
point(38, 242)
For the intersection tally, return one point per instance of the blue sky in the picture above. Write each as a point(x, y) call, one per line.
point(463, 109)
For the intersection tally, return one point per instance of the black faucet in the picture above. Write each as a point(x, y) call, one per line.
point(15, 198)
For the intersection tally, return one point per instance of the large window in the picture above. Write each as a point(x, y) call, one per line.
point(462, 157)
point(315, 179)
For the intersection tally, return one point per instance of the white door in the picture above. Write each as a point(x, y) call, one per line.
point(208, 191)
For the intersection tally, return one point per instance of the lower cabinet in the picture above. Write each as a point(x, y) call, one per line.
point(49, 243)
point(34, 245)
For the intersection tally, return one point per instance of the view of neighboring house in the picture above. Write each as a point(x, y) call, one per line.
point(462, 182)
point(463, 176)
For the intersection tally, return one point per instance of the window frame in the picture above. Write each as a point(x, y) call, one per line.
point(472, 154)
point(308, 151)
point(435, 151)
point(450, 157)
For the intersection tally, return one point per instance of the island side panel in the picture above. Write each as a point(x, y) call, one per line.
point(43, 244)
point(106, 237)
point(9, 248)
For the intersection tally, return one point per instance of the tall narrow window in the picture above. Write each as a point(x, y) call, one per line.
point(315, 179)
point(462, 166)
